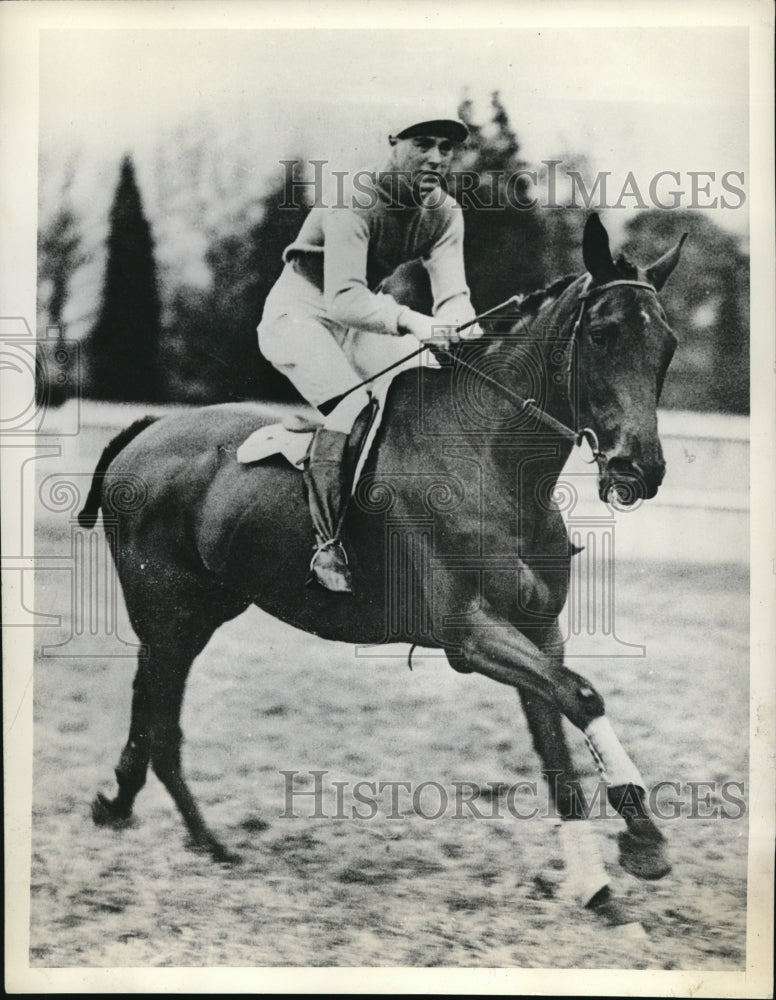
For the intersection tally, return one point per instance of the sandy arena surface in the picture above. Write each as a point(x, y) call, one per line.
point(399, 889)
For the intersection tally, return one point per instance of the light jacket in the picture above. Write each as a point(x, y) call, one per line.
point(363, 240)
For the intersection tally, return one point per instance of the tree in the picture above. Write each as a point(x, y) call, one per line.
point(122, 348)
point(59, 256)
point(706, 301)
point(560, 222)
point(503, 235)
point(213, 341)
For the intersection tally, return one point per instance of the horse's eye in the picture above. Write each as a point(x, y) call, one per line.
point(600, 338)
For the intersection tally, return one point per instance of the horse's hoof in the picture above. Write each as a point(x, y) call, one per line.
point(645, 859)
point(216, 850)
point(105, 813)
point(608, 908)
point(616, 916)
point(224, 856)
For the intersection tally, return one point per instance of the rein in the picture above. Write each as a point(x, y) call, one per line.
point(529, 405)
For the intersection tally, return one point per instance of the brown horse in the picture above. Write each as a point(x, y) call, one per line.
point(459, 453)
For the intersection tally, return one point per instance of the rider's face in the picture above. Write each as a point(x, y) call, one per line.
point(422, 154)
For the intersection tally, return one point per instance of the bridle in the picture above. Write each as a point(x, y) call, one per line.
point(576, 437)
point(589, 291)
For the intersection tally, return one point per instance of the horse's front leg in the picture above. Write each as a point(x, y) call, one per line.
point(586, 876)
point(498, 650)
point(587, 880)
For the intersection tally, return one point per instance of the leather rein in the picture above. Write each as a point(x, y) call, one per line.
point(530, 406)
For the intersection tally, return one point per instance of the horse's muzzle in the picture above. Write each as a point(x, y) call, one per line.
point(625, 483)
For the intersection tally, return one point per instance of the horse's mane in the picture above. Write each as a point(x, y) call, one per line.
point(528, 306)
point(530, 303)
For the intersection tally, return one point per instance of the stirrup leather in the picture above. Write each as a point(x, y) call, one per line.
point(329, 472)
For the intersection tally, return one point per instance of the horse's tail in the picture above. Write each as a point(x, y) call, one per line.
point(88, 516)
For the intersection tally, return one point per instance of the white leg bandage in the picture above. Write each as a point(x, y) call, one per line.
point(615, 765)
point(585, 870)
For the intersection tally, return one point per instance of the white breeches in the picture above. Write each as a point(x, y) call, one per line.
point(323, 359)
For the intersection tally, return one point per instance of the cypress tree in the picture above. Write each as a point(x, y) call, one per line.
point(123, 345)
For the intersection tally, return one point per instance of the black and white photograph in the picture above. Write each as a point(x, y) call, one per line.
point(387, 449)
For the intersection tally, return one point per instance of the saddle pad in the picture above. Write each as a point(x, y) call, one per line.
point(275, 439)
point(278, 439)
point(293, 442)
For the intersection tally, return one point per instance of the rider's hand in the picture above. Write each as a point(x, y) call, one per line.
point(427, 329)
point(471, 332)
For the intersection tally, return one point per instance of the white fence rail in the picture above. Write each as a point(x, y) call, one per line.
point(700, 515)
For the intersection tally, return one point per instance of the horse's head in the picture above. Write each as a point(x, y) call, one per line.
point(624, 347)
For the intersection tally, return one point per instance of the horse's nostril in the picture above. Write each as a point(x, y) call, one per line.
point(625, 491)
point(625, 483)
point(624, 467)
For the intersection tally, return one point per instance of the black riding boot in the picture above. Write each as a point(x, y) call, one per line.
point(328, 490)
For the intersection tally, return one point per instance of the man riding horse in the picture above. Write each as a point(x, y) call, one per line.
point(327, 325)
point(484, 558)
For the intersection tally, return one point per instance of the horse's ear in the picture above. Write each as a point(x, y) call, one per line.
point(595, 251)
point(659, 272)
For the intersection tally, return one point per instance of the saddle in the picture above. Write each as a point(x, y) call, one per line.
point(290, 438)
point(293, 436)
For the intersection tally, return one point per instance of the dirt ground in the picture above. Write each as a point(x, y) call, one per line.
point(401, 888)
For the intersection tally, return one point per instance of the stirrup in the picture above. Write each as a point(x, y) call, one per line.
point(329, 567)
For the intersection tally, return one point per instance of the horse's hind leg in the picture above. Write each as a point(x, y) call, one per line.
point(175, 620)
point(155, 737)
point(133, 763)
point(169, 680)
